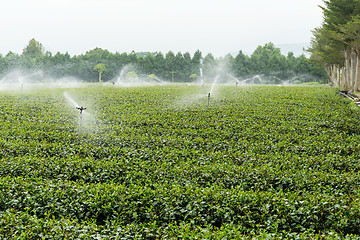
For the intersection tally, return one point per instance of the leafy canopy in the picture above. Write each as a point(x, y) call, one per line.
point(34, 49)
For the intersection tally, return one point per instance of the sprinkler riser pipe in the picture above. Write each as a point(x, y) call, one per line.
point(80, 120)
point(208, 100)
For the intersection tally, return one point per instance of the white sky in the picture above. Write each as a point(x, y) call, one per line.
point(215, 26)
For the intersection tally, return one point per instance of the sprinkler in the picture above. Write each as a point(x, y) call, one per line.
point(237, 84)
point(208, 100)
point(81, 109)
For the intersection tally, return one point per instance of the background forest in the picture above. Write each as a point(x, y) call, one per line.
point(266, 61)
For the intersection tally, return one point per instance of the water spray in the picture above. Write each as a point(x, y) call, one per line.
point(234, 78)
point(81, 109)
point(159, 80)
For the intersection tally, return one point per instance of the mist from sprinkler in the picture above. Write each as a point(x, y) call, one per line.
point(77, 106)
point(19, 80)
point(213, 85)
point(159, 80)
point(234, 78)
point(128, 77)
point(254, 78)
point(201, 75)
point(121, 75)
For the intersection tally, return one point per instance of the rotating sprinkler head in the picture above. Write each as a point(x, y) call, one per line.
point(81, 109)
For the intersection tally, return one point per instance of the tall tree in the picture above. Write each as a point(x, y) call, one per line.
point(170, 65)
point(34, 49)
point(13, 61)
point(195, 62)
point(350, 35)
point(209, 66)
point(160, 66)
point(331, 45)
point(100, 68)
point(241, 66)
point(338, 12)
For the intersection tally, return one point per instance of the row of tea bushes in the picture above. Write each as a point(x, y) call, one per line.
point(274, 211)
point(156, 162)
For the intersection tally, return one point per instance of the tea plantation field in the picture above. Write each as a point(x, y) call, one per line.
point(157, 162)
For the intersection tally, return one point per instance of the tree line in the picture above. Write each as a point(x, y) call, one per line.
point(101, 65)
point(336, 44)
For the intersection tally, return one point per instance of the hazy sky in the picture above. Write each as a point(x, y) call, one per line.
point(216, 26)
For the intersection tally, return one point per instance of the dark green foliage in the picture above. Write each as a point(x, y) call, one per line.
point(338, 12)
point(335, 45)
point(33, 50)
point(172, 67)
